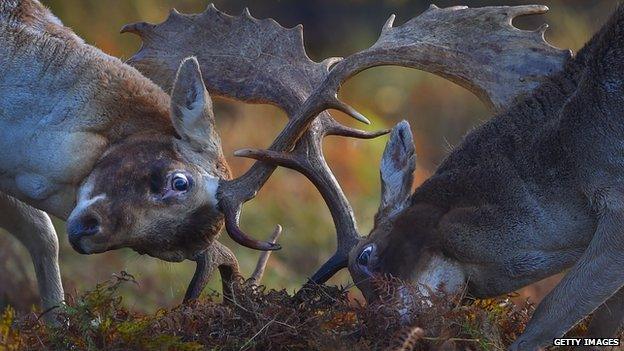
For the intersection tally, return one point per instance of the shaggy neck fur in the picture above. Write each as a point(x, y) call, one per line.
point(522, 136)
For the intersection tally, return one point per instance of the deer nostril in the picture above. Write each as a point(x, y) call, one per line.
point(86, 225)
point(91, 225)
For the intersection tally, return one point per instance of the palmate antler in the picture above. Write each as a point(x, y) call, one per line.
point(261, 62)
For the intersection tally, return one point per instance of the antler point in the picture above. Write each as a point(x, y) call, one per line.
point(520, 10)
point(246, 13)
point(243, 152)
point(174, 14)
point(211, 8)
point(125, 29)
point(341, 106)
point(389, 22)
point(540, 8)
point(135, 28)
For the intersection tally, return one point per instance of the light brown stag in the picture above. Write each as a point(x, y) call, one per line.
point(90, 140)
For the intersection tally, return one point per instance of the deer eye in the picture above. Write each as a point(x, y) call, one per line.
point(180, 182)
point(364, 257)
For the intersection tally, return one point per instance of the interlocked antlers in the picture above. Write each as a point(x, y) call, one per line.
point(260, 61)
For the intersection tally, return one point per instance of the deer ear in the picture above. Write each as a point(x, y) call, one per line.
point(191, 107)
point(397, 170)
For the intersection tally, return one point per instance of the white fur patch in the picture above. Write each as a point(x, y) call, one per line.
point(212, 186)
point(440, 272)
point(85, 200)
point(191, 114)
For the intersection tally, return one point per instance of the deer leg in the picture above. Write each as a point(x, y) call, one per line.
point(608, 318)
point(33, 228)
point(596, 277)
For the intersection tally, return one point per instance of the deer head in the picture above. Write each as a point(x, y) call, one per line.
point(169, 207)
point(388, 249)
point(144, 165)
point(176, 182)
point(243, 58)
point(416, 259)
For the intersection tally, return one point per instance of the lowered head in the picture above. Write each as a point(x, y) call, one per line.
point(403, 242)
point(153, 192)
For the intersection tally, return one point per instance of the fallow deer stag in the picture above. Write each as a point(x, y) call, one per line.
point(519, 200)
point(534, 191)
point(90, 140)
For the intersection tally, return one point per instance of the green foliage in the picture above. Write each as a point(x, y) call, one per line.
point(9, 336)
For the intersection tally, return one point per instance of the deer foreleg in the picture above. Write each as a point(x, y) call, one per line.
point(596, 277)
point(33, 228)
point(608, 318)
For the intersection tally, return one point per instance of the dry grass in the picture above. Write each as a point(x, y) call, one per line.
point(319, 318)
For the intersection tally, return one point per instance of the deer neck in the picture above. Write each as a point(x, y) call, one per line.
point(62, 105)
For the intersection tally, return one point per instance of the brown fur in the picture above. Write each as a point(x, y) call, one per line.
point(534, 191)
point(32, 15)
point(111, 135)
point(137, 168)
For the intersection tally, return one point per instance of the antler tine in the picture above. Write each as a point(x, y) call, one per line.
point(220, 256)
point(335, 128)
point(257, 274)
point(522, 10)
